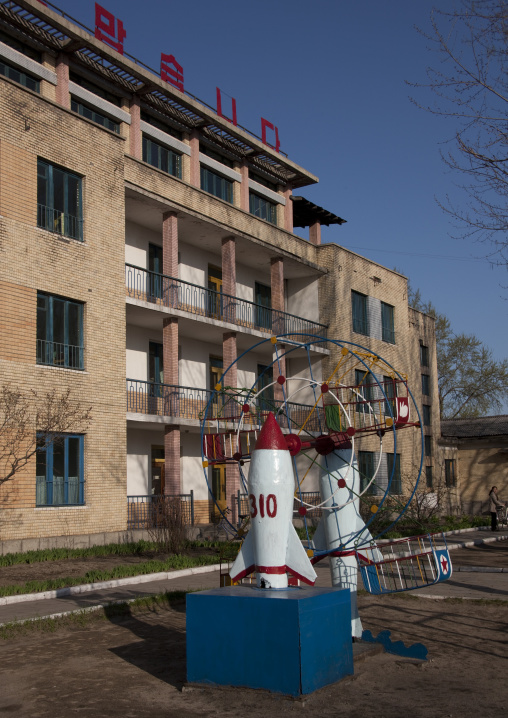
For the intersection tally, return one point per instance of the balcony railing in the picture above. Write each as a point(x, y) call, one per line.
point(55, 354)
point(59, 222)
point(177, 294)
point(183, 402)
point(144, 512)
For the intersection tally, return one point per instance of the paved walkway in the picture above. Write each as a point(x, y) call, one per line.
point(478, 559)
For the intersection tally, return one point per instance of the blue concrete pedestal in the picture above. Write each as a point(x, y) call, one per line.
point(292, 641)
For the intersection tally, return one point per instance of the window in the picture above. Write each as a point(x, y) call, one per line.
point(366, 469)
point(32, 83)
point(205, 150)
point(365, 384)
point(263, 306)
point(390, 389)
point(21, 47)
point(266, 400)
point(450, 478)
point(428, 477)
point(161, 157)
point(215, 184)
point(426, 384)
point(396, 485)
point(426, 414)
point(96, 89)
point(59, 200)
point(427, 445)
point(424, 355)
point(360, 318)
point(163, 126)
point(59, 470)
point(59, 332)
point(387, 323)
point(90, 114)
point(262, 208)
point(261, 180)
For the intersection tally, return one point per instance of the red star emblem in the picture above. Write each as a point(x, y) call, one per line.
point(444, 564)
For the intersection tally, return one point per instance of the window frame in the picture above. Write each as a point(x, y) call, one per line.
point(50, 490)
point(173, 159)
point(396, 485)
point(360, 313)
point(265, 209)
point(24, 78)
point(450, 473)
point(99, 118)
point(221, 187)
point(426, 415)
point(426, 384)
point(427, 445)
point(48, 216)
point(366, 468)
point(61, 355)
point(388, 323)
point(424, 355)
point(429, 479)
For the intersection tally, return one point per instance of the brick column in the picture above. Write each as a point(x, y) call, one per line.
point(229, 277)
point(288, 209)
point(63, 97)
point(315, 233)
point(278, 394)
point(171, 405)
point(135, 143)
point(244, 187)
point(277, 285)
point(170, 244)
point(229, 355)
point(195, 177)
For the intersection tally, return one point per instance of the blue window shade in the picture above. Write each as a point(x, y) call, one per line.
point(162, 158)
point(59, 332)
point(59, 470)
point(262, 208)
point(59, 207)
point(366, 469)
point(90, 114)
point(387, 323)
point(32, 83)
point(217, 185)
point(360, 318)
point(396, 485)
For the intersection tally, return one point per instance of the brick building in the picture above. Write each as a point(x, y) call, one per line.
point(146, 242)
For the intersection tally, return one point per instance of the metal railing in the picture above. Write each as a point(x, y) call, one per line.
point(142, 511)
point(54, 220)
point(178, 294)
point(183, 402)
point(55, 354)
point(309, 497)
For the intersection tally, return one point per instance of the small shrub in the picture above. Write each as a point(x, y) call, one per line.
point(165, 523)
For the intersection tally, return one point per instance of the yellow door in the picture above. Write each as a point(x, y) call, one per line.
point(214, 303)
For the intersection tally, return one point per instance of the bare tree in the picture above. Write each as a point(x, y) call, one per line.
point(470, 85)
point(27, 415)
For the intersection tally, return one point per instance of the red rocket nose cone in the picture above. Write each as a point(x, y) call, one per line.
point(270, 436)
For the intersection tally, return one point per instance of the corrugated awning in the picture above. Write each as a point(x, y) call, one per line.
point(306, 213)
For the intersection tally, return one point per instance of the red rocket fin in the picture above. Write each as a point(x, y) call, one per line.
point(244, 563)
point(297, 560)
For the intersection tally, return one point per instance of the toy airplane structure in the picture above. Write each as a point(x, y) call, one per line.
point(272, 547)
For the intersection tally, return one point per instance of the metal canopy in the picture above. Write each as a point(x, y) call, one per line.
point(306, 213)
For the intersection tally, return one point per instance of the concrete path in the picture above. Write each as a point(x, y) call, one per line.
point(479, 558)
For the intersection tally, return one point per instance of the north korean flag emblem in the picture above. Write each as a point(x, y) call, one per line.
point(444, 564)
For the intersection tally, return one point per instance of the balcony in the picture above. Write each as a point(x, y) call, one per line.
point(183, 402)
point(54, 220)
point(62, 355)
point(171, 293)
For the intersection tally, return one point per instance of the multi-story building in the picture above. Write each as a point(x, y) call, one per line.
point(146, 244)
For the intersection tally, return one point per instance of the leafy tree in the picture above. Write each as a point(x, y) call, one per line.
point(470, 381)
point(23, 414)
point(470, 86)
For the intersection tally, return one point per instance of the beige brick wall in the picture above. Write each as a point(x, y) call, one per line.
point(91, 272)
point(18, 306)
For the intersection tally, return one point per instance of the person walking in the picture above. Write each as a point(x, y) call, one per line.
point(494, 503)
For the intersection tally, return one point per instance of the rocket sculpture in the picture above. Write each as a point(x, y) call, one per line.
point(343, 528)
point(272, 547)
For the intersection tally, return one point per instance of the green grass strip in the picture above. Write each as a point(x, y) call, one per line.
point(139, 569)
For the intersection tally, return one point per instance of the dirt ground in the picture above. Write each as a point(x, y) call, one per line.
point(134, 667)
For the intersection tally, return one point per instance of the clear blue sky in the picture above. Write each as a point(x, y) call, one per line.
point(332, 76)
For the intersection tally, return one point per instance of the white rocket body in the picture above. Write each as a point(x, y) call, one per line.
point(339, 529)
point(272, 546)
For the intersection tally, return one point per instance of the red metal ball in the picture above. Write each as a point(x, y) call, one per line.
point(302, 510)
point(281, 380)
point(324, 388)
point(245, 408)
point(342, 483)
